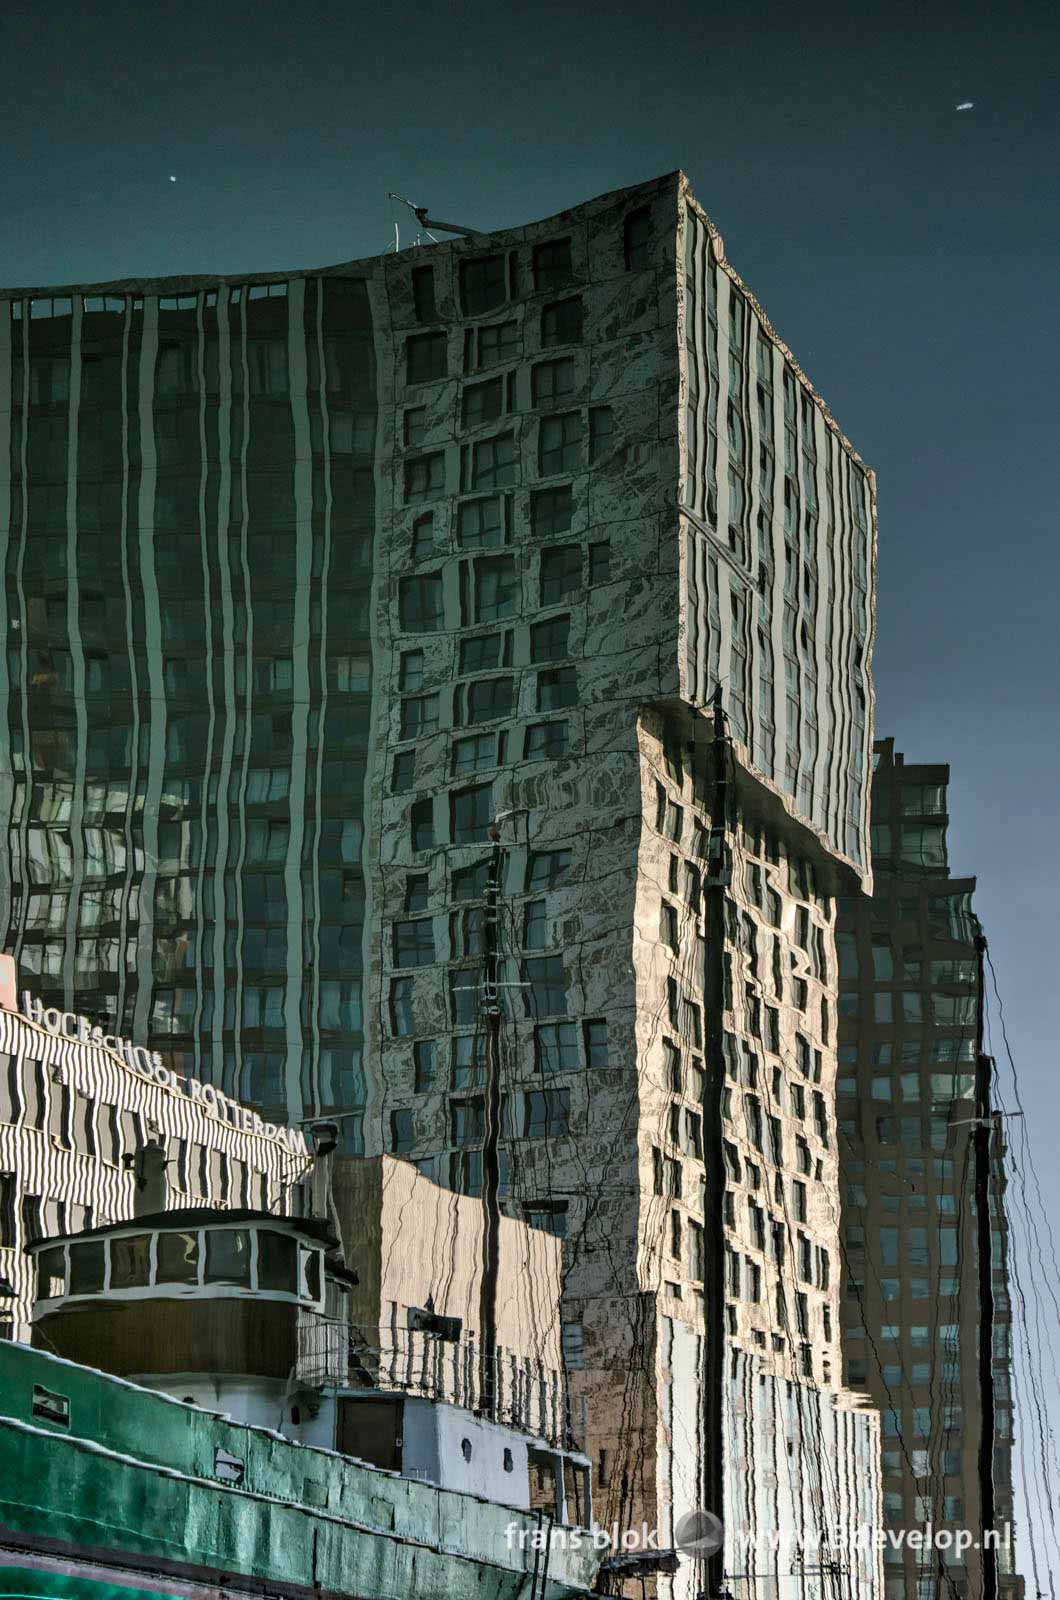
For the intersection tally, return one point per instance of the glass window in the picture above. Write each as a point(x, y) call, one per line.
point(178, 1258)
point(493, 462)
point(129, 1262)
point(600, 561)
point(425, 357)
point(560, 443)
point(480, 653)
point(561, 573)
point(311, 1273)
point(552, 510)
point(550, 640)
point(553, 380)
point(601, 431)
point(557, 687)
point(51, 1273)
point(488, 698)
point(556, 1047)
point(480, 523)
point(227, 1256)
point(547, 740)
point(483, 285)
point(86, 1267)
point(637, 239)
point(496, 588)
point(425, 476)
point(471, 812)
point(420, 601)
point(479, 750)
point(562, 323)
point(547, 868)
point(552, 264)
point(414, 943)
point(498, 343)
point(546, 1113)
point(277, 1262)
point(483, 402)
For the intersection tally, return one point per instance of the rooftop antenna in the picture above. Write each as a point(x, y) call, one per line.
point(427, 223)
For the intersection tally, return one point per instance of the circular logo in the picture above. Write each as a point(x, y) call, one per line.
point(699, 1533)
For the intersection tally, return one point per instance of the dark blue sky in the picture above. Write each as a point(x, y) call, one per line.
point(907, 252)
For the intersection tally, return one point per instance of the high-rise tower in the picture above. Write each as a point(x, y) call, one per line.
point(311, 582)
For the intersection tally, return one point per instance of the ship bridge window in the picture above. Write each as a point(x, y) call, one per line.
point(130, 1262)
point(178, 1258)
point(228, 1256)
point(86, 1267)
point(51, 1273)
point(311, 1273)
point(277, 1262)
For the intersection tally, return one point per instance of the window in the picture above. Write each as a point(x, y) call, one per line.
point(422, 824)
point(414, 943)
point(553, 380)
point(423, 295)
point(402, 1130)
point(600, 562)
point(403, 772)
point(547, 740)
point(546, 1113)
point(420, 603)
point(493, 462)
point(469, 883)
point(557, 687)
point(415, 426)
point(561, 573)
point(227, 1256)
point(419, 716)
point(483, 402)
point(562, 323)
point(546, 994)
point(425, 1057)
point(552, 264)
point(551, 511)
point(637, 233)
point(483, 285)
point(496, 588)
point(596, 1044)
point(425, 476)
point(535, 925)
point(548, 1215)
point(482, 652)
point(480, 750)
point(547, 869)
point(556, 1047)
point(467, 1121)
point(497, 344)
point(560, 443)
point(464, 995)
point(601, 431)
point(488, 698)
point(425, 357)
point(471, 813)
point(550, 641)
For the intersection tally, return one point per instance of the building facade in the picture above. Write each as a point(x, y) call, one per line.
point(369, 558)
point(91, 1131)
point(906, 1100)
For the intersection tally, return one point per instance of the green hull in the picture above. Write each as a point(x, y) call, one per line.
point(130, 1485)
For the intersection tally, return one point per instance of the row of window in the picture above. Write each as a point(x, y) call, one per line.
point(487, 282)
point(494, 591)
point(566, 442)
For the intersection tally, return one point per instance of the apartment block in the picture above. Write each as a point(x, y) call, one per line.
point(906, 1101)
point(385, 565)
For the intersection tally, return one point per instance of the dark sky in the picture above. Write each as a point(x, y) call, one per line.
point(907, 252)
